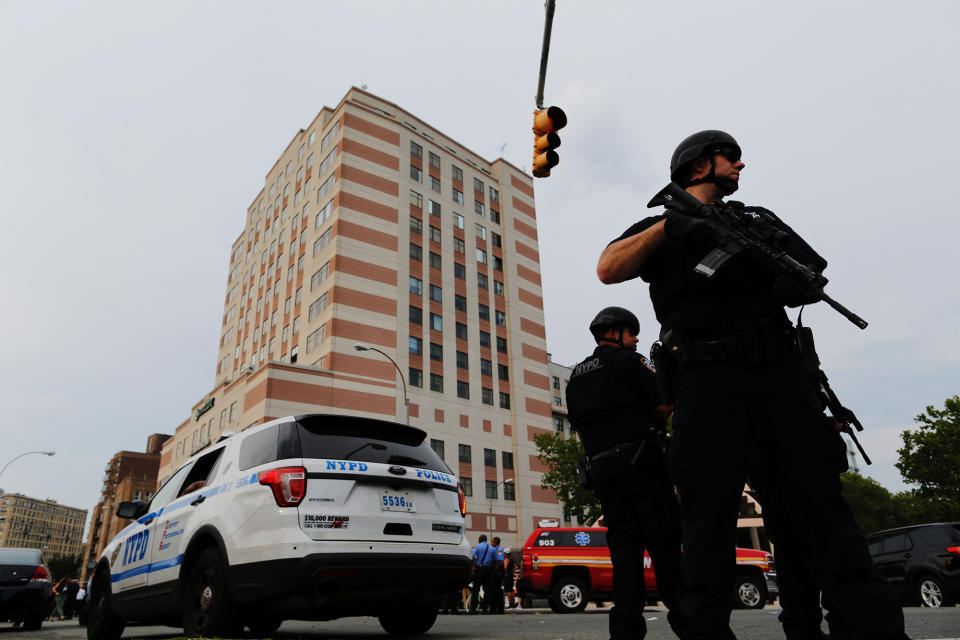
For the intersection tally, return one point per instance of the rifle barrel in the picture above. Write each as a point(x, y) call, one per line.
point(846, 313)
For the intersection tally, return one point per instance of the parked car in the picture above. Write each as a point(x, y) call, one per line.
point(571, 566)
point(922, 562)
point(24, 587)
point(311, 517)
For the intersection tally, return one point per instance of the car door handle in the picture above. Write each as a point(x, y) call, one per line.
point(198, 500)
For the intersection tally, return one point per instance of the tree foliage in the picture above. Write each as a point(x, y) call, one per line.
point(67, 565)
point(561, 456)
point(930, 459)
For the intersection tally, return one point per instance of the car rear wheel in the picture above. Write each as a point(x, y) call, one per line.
point(33, 622)
point(408, 622)
point(749, 593)
point(264, 624)
point(933, 593)
point(569, 595)
point(207, 608)
point(102, 624)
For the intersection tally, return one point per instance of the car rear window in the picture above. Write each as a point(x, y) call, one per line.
point(584, 538)
point(20, 556)
point(367, 441)
point(937, 536)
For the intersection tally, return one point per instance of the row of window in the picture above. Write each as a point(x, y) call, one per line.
point(415, 376)
point(465, 454)
point(436, 324)
point(416, 151)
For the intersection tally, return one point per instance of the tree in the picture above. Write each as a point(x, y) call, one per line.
point(930, 459)
point(562, 455)
point(67, 565)
point(874, 507)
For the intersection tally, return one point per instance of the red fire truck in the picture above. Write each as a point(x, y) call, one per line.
point(570, 566)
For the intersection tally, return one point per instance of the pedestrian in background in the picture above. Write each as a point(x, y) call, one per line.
point(483, 555)
point(496, 578)
point(59, 592)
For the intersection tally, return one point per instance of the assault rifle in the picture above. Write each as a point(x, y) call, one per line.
point(755, 233)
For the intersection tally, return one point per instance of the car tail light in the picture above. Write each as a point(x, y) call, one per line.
point(954, 550)
point(526, 562)
point(462, 497)
point(289, 484)
point(40, 574)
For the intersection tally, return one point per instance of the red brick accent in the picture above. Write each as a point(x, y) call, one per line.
point(341, 328)
point(535, 431)
point(523, 207)
point(521, 186)
point(464, 421)
point(531, 327)
point(527, 252)
point(507, 430)
point(536, 380)
point(369, 207)
point(364, 234)
point(529, 298)
point(361, 300)
point(369, 153)
point(525, 229)
point(291, 391)
point(355, 122)
point(487, 426)
point(528, 274)
point(537, 465)
point(539, 407)
point(364, 269)
point(539, 494)
point(414, 410)
point(361, 366)
point(371, 180)
point(438, 415)
point(532, 353)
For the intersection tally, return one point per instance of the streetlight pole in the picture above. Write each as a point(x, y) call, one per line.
point(406, 401)
point(46, 453)
point(490, 514)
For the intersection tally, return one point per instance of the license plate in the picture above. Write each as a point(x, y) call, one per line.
point(396, 501)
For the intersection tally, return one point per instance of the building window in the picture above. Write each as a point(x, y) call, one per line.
point(435, 260)
point(319, 276)
point(459, 246)
point(495, 239)
point(416, 225)
point(459, 271)
point(478, 185)
point(459, 302)
point(494, 216)
point(556, 382)
point(436, 322)
point(435, 184)
point(503, 372)
point(464, 454)
point(557, 401)
point(507, 459)
point(416, 315)
point(416, 174)
point(316, 307)
point(481, 256)
point(434, 160)
point(490, 458)
point(504, 400)
point(500, 318)
point(435, 234)
point(457, 173)
point(491, 486)
point(416, 150)
point(315, 338)
point(462, 360)
point(497, 264)
point(433, 208)
point(416, 286)
point(461, 331)
point(481, 231)
point(509, 491)
point(463, 390)
point(416, 199)
point(482, 281)
point(457, 196)
point(467, 484)
point(436, 293)
point(558, 423)
point(436, 382)
point(478, 207)
point(437, 446)
point(458, 221)
point(497, 287)
point(436, 352)
point(484, 312)
point(416, 346)
point(416, 377)
point(485, 339)
point(486, 367)
point(416, 253)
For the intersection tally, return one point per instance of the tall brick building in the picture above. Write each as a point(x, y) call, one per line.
point(129, 475)
point(31, 523)
point(374, 227)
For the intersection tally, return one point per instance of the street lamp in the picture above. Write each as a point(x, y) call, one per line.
point(406, 401)
point(46, 453)
point(505, 481)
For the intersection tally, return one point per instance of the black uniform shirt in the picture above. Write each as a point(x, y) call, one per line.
point(741, 290)
point(611, 398)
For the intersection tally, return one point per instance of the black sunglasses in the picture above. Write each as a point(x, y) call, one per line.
point(730, 154)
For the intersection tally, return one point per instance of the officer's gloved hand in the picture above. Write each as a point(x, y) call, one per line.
point(792, 292)
point(686, 229)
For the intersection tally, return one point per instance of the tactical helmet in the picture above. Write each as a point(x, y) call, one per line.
point(611, 317)
point(694, 146)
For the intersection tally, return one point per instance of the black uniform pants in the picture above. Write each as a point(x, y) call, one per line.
point(720, 409)
point(640, 511)
point(481, 578)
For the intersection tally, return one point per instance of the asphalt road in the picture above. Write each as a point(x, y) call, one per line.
point(538, 624)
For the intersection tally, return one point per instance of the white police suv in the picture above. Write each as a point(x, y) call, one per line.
point(309, 517)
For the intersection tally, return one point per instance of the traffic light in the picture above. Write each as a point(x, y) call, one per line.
point(546, 123)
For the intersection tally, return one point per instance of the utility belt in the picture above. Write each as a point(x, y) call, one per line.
point(625, 451)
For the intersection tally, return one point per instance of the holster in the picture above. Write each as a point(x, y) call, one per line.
point(583, 473)
point(666, 367)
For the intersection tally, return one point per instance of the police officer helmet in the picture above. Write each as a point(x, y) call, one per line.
point(696, 145)
point(613, 317)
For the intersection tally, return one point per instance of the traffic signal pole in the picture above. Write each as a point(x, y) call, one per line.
point(547, 121)
point(545, 52)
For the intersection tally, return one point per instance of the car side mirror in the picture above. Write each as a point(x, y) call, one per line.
point(131, 510)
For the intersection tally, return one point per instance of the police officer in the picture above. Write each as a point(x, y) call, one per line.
point(615, 406)
point(483, 558)
point(496, 578)
point(738, 380)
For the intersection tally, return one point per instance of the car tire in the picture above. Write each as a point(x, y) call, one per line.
point(749, 593)
point(264, 624)
point(932, 592)
point(408, 622)
point(208, 610)
point(33, 622)
point(570, 595)
point(102, 624)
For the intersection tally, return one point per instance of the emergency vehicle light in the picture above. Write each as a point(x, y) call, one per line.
point(289, 484)
point(462, 498)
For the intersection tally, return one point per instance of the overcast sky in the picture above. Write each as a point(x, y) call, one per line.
point(133, 136)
